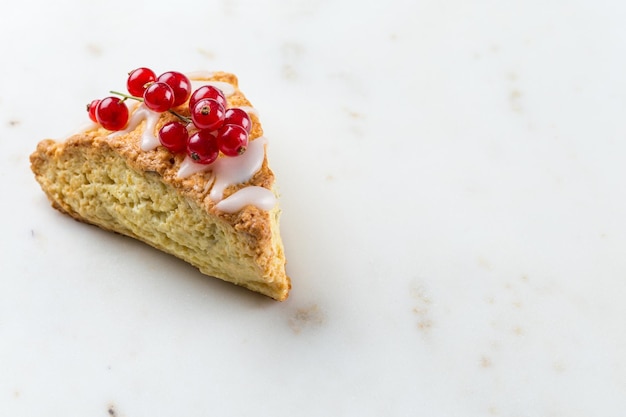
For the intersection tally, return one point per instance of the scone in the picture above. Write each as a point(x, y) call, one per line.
point(215, 209)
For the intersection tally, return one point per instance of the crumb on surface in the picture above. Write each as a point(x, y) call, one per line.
point(559, 367)
point(94, 49)
point(425, 324)
point(206, 53)
point(485, 362)
point(310, 316)
point(292, 53)
point(353, 114)
point(515, 99)
point(421, 308)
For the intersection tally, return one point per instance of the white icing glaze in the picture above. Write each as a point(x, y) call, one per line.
point(237, 169)
point(188, 167)
point(225, 171)
point(228, 171)
point(250, 110)
point(227, 88)
point(131, 104)
point(149, 141)
point(199, 75)
point(260, 197)
point(248, 164)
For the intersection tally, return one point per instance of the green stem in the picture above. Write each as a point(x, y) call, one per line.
point(126, 96)
point(117, 93)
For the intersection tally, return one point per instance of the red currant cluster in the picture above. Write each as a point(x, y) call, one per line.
point(215, 128)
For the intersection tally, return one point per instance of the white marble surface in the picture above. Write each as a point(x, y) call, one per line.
point(452, 178)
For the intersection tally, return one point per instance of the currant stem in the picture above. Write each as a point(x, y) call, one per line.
point(126, 96)
point(117, 93)
point(181, 117)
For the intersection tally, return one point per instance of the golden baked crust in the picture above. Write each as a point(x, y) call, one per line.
point(111, 183)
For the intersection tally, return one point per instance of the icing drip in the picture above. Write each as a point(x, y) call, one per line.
point(260, 197)
point(199, 75)
point(228, 171)
point(188, 167)
point(250, 110)
point(227, 88)
point(235, 170)
point(149, 141)
point(225, 171)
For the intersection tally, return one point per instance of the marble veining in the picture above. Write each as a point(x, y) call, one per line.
point(450, 178)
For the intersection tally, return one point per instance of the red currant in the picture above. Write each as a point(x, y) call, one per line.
point(207, 91)
point(202, 147)
point(159, 97)
point(207, 114)
point(112, 113)
point(173, 136)
point(232, 140)
point(91, 109)
point(236, 116)
point(138, 80)
point(180, 85)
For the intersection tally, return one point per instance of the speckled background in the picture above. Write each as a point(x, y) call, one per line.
point(453, 214)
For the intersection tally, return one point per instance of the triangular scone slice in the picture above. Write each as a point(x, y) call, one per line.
point(108, 180)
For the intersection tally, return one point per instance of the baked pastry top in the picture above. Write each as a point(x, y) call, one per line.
point(109, 180)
